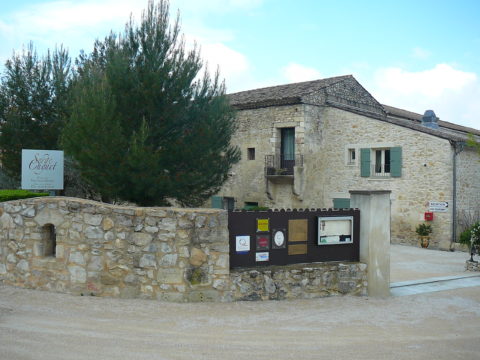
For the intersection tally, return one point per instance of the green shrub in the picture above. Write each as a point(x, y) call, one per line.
point(256, 208)
point(423, 229)
point(8, 195)
point(466, 235)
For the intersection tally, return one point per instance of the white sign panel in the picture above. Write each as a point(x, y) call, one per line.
point(42, 170)
point(242, 243)
point(335, 230)
point(262, 256)
point(438, 206)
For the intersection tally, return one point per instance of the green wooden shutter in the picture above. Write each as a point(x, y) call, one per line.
point(365, 162)
point(217, 202)
point(341, 203)
point(396, 162)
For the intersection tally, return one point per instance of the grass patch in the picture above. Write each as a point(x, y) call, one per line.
point(9, 195)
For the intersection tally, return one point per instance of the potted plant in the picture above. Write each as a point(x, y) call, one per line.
point(423, 231)
point(471, 238)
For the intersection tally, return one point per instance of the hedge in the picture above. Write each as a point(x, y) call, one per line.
point(8, 195)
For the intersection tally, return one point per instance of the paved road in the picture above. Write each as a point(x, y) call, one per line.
point(436, 325)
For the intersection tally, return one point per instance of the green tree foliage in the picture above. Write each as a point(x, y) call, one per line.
point(33, 104)
point(145, 127)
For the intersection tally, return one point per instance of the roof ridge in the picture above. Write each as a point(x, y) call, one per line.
point(407, 114)
point(340, 78)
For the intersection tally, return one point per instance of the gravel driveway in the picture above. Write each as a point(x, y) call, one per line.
point(41, 325)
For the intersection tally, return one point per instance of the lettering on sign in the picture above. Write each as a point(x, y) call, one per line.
point(42, 169)
point(262, 256)
point(262, 225)
point(242, 244)
point(438, 206)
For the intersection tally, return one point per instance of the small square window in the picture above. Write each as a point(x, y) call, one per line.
point(351, 156)
point(251, 153)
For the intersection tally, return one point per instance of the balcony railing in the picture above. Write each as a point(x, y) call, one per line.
point(380, 170)
point(282, 164)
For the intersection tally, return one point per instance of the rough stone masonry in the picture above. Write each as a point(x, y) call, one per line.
point(173, 254)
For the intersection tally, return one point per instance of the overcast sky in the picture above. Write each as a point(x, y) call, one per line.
point(415, 55)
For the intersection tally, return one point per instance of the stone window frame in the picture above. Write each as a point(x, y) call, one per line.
point(349, 148)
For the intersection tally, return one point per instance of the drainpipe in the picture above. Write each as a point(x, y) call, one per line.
point(458, 147)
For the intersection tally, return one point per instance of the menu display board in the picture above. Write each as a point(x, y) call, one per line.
point(335, 230)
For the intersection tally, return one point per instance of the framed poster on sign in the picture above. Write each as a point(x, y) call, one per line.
point(279, 239)
point(263, 242)
point(335, 230)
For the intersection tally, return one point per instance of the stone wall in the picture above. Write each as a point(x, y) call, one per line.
point(323, 135)
point(155, 253)
point(83, 247)
point(426, 171)
point(468, 186)
point(260, 129)
point(299, 281)
point(472, 266)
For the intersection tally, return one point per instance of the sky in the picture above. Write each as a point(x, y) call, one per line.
point(415, 55)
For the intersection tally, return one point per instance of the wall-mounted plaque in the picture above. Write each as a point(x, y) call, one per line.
point(299, 249)
point(262, 256)
point(262, 225)
point(335, 230)
point(263, 242)
point(279, 239)
point(242, 244)
point(297, 230)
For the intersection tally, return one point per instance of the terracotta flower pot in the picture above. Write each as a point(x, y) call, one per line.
point(424, 241)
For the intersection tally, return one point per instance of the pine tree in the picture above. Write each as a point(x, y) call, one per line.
point(33, 104)
point(145, 126)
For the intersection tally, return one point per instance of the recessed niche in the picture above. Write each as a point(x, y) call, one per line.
point(49, 240)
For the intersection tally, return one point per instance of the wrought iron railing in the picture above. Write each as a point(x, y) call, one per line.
point(380, 170)
point(282, 164)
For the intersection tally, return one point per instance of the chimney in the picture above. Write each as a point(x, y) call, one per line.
point(430, 120)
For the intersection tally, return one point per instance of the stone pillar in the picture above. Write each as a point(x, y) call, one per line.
point(374, 238)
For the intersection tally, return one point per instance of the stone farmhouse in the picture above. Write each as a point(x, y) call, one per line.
point(306, 145)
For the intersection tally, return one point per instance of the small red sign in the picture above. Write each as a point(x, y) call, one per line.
point(263, 242)
point(429, 216)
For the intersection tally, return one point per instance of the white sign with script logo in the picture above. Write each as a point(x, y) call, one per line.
point(42, 169)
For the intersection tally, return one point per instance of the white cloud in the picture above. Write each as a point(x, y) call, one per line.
point(76, 24)
point(419, 53)
point(295, 73)
point(453, 94)
point(234, 66)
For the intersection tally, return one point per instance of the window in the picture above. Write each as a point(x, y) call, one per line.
point(251, 153)
point(341, 203)
point(381, 162)
point(228, 203)
point(220, 202)
point(351, 157)
point(249, 205)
